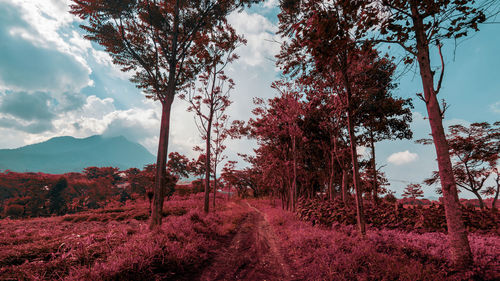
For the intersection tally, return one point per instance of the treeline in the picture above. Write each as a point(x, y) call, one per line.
point(39, 194)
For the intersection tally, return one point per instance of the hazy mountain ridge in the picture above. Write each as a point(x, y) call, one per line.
point(69, 154)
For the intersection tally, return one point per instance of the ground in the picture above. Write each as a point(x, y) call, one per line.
point(241, 240)
point(252, 254)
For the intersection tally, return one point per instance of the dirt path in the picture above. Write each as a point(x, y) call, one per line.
point(252, 255)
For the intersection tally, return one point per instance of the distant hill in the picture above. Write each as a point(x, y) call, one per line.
point(68, 154)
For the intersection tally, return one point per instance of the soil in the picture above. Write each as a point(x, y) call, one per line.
point(253, 253)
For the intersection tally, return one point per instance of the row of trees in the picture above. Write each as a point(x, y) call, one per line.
point(39, 194)
point(336, 97)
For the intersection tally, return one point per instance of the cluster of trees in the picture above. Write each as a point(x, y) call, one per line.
point(336, 96)
point(39, 194)
point(168, 44)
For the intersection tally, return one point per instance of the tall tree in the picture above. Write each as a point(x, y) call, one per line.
point(416, 26)
point(383, 116)
point(158, 40)
point(290, 113)
point(211, 99)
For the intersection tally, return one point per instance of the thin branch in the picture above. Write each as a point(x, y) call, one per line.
point(442, 67)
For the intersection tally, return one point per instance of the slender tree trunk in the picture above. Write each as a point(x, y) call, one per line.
point(207, 167)
point(344, 172)
point(493, 204)
point(481, 202)
point(331, 192)
point(161, 160)
point(356, 179)
point(344, 186)
point(374, 175)
point(461, 255)
point(161, 164)
point(294, 186)
point(354, 157)
point(215, 185)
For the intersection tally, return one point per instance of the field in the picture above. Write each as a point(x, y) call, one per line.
point(242, 240)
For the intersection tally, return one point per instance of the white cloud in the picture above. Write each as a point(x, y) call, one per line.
point(495, 107)
point(403, 157)
point(260, 33)
point(270, 3)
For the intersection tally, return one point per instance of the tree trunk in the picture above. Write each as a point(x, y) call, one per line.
point(356, 179)
point(331, 193)
point(461, 255)
point(354, 155)
point(207, 168)
point(161, 160)
point(374, 166)
point(215, 185)
point(161, 164)
point(481, 203)
point(493, 204)
point(344, 186)
point(294, 185)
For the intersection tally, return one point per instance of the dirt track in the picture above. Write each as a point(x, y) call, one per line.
point(252, 255)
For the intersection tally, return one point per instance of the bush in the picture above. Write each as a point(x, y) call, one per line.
point(14, 211)
point(198, 186)
point(394, 216)
point(390, 198)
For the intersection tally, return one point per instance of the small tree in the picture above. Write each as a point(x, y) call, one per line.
point(474, 151)
point(178, 164)
point(413, 191)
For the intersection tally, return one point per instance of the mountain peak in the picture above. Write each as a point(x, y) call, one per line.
point(69, 154)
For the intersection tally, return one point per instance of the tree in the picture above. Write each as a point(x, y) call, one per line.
point(178, 164)
point(159, 41)
point(211, 99)
point(108, 173)
point(413, 191)
point(383, 116)
point(290, 114)
point(416, 26)
point(474, 151)
point(494, 190)
point(56, 201)
point(339, 58)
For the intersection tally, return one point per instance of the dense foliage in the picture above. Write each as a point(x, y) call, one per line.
point(417, 218)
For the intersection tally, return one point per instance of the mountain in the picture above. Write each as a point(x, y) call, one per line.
point(68, 154)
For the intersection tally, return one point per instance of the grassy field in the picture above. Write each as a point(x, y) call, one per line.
point(241, 240)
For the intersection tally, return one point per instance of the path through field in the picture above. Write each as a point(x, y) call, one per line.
point(252, 255)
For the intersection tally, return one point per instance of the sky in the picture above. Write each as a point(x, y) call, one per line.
point(53, 82)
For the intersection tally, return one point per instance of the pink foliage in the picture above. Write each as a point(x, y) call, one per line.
point(338, 253)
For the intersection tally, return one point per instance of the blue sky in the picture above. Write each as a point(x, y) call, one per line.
point(53, 82)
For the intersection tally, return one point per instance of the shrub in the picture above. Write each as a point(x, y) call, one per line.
point(394, 216)
point(14, 211)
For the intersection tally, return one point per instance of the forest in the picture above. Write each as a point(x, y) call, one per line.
point(305, 205)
